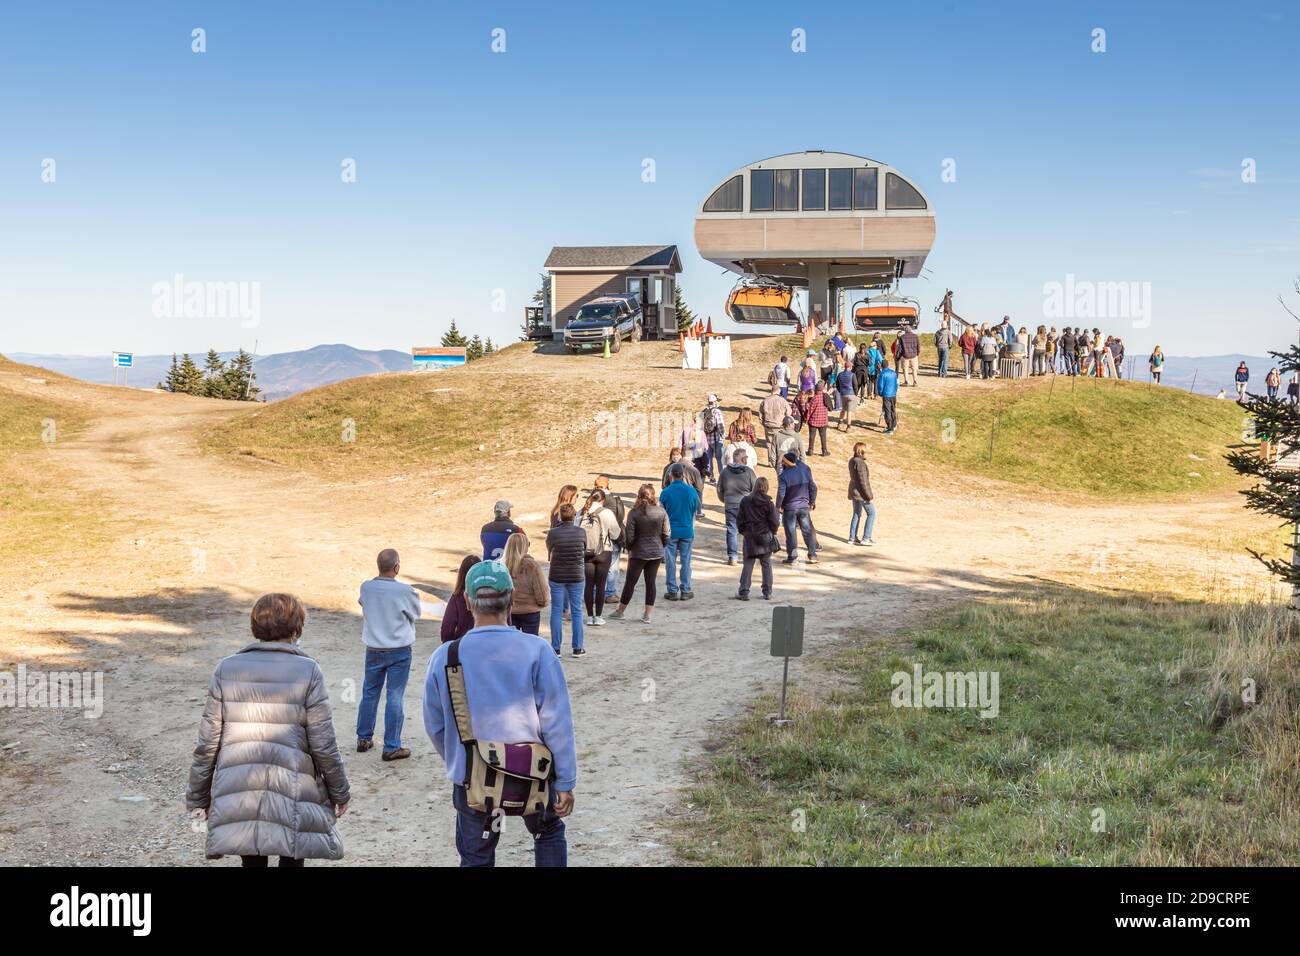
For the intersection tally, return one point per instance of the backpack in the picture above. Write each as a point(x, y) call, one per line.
point(713, 423)
point(511, 778)
point(597, 540)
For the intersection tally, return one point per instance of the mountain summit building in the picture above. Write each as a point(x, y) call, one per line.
point(818, 220)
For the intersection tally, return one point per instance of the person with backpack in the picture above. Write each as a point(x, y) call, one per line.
point(796, 498)
point(566, 549)
point(645, 534)
point(496, 708)
point(860, 495)
point(682, 503)
point(615, 504)
point(817, 417)
point(888, 387)
point(1156, 363)
point(757, 520)
point(861, 371)
point(780, 378)
point(716, 430)
point(772, 411)
point(600, 528)
point(735, 483)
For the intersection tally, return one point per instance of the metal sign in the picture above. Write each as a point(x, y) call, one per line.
point(123, 359)
point(438, 358)
point(787, 631)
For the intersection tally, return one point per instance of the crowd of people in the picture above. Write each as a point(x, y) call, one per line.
point(267, 775)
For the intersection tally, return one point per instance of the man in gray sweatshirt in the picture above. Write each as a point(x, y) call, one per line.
point(734, 483)
point(389, 610)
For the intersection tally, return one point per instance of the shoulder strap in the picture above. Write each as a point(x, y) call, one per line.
point(456, 691)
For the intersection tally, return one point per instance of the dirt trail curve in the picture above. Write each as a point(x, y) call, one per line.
point(157, 610)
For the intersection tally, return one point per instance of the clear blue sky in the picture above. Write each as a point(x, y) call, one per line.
point(225, 166)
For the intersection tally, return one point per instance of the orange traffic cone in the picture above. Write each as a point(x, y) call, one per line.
point(710, 329)
point(681, 341)
point(808, 333)
point(844, 329)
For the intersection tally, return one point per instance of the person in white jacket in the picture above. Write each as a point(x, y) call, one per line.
point(602, 529)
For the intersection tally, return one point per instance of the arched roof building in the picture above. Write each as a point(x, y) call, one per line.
point(816, 219)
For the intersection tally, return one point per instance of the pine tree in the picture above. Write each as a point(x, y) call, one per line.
point(239, 381)
point(453, 338)
point(214, 382)
point(685, 317)
point(190, 377)
point(475, 348)
point(173, 380)
point(1276, 423)
point(488, 347)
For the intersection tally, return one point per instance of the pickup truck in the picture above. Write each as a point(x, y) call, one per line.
point(614, 317)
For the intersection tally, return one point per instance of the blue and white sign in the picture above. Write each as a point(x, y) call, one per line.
point(123, 359)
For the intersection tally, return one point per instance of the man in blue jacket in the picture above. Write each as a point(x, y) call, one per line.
point(796, 498)
point(887, 386)
point(516, 694)
point(681, 501)
point(497, 532)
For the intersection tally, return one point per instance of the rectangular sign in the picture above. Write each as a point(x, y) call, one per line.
point(123, 359)
point(438, 358)
point(787, 631)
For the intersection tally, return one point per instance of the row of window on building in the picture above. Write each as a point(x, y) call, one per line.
point(789, 190)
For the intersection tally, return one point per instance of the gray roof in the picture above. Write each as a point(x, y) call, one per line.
point(613, 257)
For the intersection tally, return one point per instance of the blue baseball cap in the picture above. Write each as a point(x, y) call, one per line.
point(493, 575)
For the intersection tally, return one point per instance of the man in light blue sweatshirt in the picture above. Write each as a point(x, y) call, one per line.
point(389, 610)
point(517, 694)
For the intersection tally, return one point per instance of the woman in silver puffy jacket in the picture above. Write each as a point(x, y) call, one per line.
point(267, 775)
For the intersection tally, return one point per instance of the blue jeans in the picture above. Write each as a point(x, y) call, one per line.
point(858, 508)
point(943, 363)
point(785, 392)
point(394, 666)
point(476, 837)
point(672, 549)
point(789, 518)
point(733, 514)
point(568, 594)
point(611, 582)
point(716, 454)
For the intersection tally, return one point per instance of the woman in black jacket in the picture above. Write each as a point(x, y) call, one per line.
point(645, 532)
point(861, 496)
point(757, 521)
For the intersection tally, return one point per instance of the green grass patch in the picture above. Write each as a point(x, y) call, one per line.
point(380, 425)
point(1098, 437)
point(39, 516)
point(1123, 707)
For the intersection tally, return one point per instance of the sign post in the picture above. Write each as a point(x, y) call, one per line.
point(123, 361)
point(787, 642)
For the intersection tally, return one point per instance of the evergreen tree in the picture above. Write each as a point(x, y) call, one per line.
point(543, 289)
point(475, 348)
point(1275, 422)
point(488, 347)
point(685, 317)
point(190, 377)
point(173, 380)
point(453, 338)
point(214, 383)
point(239, 381)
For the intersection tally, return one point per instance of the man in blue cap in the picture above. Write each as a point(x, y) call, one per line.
point(516, 693)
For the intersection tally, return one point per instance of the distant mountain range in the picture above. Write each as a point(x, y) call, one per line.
point(278, 375)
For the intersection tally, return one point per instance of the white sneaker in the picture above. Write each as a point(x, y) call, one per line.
point(591, 620)
point(597, 622)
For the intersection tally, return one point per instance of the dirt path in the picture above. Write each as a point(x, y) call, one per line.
point(207, 536)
